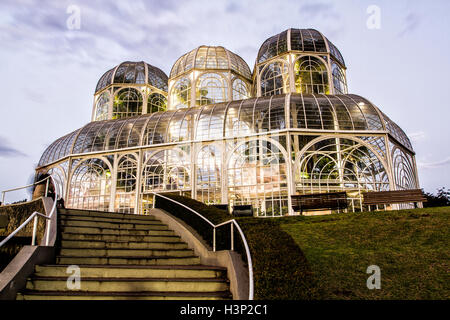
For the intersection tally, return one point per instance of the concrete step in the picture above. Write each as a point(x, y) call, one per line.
point(93, 244)
point(122, 260)
point(142, 253)
point(93, 213)
point(99, 271)
point(168, 236)
point(116, 231)
point(72, 217)
point(112, 225)
point(149, 295)
point(130, 284)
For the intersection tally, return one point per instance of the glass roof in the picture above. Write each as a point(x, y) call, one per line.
point(134, 72)
point(307, 40)
point(311, 113)
point(205, 57)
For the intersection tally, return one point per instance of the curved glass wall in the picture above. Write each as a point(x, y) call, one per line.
point(227, 120)
point(180, 94)
point(339, 80)
point(102, 106)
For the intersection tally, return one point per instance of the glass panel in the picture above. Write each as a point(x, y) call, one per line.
point(311, 75)
point(156, 102)
point(211, 88)
point(127, 103)
point(126, 184)
point(181, 94)
point(274, 79)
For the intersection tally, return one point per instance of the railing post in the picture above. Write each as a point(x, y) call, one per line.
point(214, 239)
point(33, 237)
point(232, 236)
point(46, 188)
point(47, 238)
point(3, 198)
point(154, 200)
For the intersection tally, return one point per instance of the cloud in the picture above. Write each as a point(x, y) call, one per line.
point(323, 12)
point(416, 136)
point(109, 31)
point(34, 96)
point(433, 165)
point(8, 152)
point(412, 21)
point(315, 9)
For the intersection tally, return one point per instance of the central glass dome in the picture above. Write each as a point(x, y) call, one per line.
point(208, 75)
point(208, 57)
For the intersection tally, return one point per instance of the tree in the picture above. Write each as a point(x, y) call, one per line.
point(441, 199)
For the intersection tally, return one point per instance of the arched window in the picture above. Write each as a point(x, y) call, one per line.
point(166, 170)
point(337, 164)
point(156, 102)
point(181, 94)
point(126, 184)
point(257, 175)
point(339, 81)
point(240, 90)
point(211, 88)
point(127, 103)
point(90, 186)
point(101, 108)
point(311, 75)
point(274, 79)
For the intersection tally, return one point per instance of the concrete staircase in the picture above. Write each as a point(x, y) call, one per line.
point(123, 256)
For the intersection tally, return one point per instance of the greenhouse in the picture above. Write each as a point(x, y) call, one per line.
point(221, 134)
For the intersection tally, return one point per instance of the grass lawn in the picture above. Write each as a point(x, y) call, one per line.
point(411, 247)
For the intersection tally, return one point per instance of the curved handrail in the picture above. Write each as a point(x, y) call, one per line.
point(12, 234)
point(35, 215)
point(233, 222)
point(26, 186)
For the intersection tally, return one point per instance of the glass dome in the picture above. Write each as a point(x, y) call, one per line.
point(314, 112)
point(134, 72)
point(207, 57)
point(306, 40)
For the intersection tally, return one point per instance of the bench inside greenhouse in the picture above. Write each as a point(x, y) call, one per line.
point(389, 197)
point(245, 210)
point(319, 201)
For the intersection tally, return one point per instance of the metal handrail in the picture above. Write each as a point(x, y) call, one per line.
point(33, 241)
point(27, 186)
point(233, 223)
point(35, 215)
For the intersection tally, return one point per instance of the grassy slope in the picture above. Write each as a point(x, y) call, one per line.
point(410, 246)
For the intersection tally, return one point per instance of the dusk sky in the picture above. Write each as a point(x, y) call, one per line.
point(49, 72)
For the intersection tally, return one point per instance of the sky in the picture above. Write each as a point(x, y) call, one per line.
point(396, 54)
